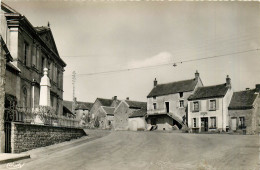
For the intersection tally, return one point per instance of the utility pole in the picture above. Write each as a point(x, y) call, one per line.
point(73, 92)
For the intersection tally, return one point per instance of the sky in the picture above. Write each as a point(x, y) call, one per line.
point(99, 36)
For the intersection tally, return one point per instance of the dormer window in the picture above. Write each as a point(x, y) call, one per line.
point(181, 94)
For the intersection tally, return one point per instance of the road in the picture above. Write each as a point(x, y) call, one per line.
point(124, 150)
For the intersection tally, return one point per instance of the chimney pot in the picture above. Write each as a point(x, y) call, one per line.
point(247, 88)
point(155, 82)
point(127, 98)
point(197, 74)
point(115, 98)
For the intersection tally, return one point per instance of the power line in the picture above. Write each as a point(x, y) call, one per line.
point(160, 65)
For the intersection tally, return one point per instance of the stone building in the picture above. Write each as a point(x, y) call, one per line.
point(32, 49)
point(243, 111)
point(208, 107)
point(133, 109)
point(105, 117)
point(167, 103)
point(102, 102)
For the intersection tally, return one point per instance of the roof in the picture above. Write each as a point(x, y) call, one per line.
point(173, 87)
point(9, 65)
point(136, 104)
point(105, 102)
point(83, 105)
point(109, 110)
point(243, 100)
point(138, 113)
point(68, 105)
point(209, 92)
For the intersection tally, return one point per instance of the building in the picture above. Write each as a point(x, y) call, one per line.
point(133, 109)
point(208, 107)
point(137, 120)
point(32, 49)
point(167, 103)
point(105, 117)
point(102, 102)
point(243, 111)
point(81, 112)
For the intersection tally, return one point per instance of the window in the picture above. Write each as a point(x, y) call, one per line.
point(26, 51)
point(181, 94)
point(167, 106)
point(43, 64)
point(213, 122)
point(181, 103)
point(154, 106)
point(24, 97)
point(196, 106)
point(212, 105)
point(194, 122)
point(241, 123)
point(154, 97)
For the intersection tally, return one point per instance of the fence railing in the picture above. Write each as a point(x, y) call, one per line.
point(41, 115)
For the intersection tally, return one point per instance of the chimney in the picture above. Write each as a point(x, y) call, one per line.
point(197, 75)
point(155, 82)
point(114, 98)
point(257, 87)
point(228, 81)
point(127, 98)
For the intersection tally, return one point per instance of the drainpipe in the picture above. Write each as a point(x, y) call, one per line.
point(222, 113)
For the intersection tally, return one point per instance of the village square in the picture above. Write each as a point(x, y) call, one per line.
point(60, 109)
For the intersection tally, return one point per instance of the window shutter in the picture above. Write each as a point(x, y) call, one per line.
point(199, 105)
point(197, 122)
point(208, 104)
point(216, 122)
point(178, 104)
point(217, 104)
point(191, 104)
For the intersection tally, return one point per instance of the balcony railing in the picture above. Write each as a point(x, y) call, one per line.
point(156, 111)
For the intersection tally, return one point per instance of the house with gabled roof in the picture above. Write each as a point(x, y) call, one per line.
point(167, 103)
point(244, 111)
point(105, 117)
point(208, 107)
point(102, 102)
point(130, 115)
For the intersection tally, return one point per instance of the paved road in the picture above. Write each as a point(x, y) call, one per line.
point(123, 150)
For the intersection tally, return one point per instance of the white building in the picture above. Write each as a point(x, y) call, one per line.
point(208, 107)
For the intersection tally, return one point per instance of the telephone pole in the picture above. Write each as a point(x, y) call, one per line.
point(73, 93)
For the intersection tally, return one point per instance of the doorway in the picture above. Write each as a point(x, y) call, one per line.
point(204, 124)
point(167, 107)
point(234, 123)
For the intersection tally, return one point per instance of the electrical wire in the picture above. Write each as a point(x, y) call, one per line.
point(165, 64)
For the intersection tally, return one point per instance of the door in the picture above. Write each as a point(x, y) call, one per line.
point(204, 124)
point(167, 107)
point(234, 123)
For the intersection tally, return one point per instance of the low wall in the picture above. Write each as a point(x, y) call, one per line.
point(25, 137)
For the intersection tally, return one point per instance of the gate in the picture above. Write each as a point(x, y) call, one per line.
point(9, 116)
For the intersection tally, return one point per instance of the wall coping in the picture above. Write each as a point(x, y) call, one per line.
point(64, 127)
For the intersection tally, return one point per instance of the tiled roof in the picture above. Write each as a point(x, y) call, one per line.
point(136, 104)
point(174, 87)
point(68, 105)
point(209, 92)
point(83, 105)
point(138, 113)
point(109, 110)
point(105, 102)
point(242, 100)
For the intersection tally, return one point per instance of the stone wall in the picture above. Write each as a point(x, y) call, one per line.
point(25, 137)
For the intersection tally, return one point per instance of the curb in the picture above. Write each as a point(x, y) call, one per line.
point(14, 159)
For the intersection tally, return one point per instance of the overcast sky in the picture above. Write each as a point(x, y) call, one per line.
point(102, 36)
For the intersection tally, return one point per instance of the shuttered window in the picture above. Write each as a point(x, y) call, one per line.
point(213, 122)
point(194, 122)
point(196, 106)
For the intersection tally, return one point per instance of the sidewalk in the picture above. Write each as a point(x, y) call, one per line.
point(9, 157)
point(43, 151)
